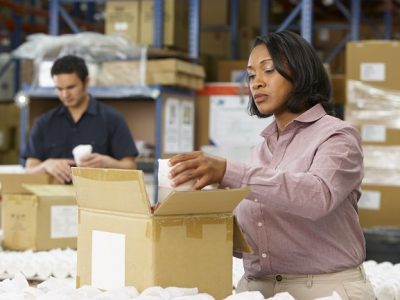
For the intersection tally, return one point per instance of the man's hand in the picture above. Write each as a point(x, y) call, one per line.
point(60, 169)
point(96, 160)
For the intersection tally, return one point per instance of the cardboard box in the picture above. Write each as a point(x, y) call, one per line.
point(42, 220)
point(175, 27)
point(378, 134)
point(159, 71)
point(214, 12)
point(379, 205)
point(232, 70)
point(216, 42)
point(187, 241)
point(376, 62)
point(122, 18)
point(175, 72)
point(11, 183)
point(339, 88)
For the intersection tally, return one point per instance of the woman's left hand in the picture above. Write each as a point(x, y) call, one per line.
point(205, 168)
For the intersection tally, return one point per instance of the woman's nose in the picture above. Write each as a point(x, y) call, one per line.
point(257, 83)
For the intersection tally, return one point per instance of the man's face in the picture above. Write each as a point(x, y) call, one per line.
point(71, 90)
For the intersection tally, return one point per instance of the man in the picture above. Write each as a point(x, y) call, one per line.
point(80, 119)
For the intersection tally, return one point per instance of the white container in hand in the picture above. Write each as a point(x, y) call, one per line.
point(80, 151)
point(164, 182)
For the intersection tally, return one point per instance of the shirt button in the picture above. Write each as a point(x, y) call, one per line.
point(259, 224)
point(255, 200)
point(264, 255)
point(278, 277)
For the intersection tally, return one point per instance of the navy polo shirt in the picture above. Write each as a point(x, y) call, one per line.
point(55, 134)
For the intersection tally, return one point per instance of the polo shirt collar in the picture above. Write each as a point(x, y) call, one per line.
point(91, 109)
point(309, 116)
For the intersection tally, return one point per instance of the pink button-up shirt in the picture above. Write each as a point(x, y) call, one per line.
point(301, 217)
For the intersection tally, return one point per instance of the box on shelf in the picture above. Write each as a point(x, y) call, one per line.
point(44, 219)
point(379, 205)
point(175, 26)
point(376, 62)
point(232, 70)
point(122, 18)
point(169, 71)
point(214, 12)
point(186, 241)
point(339, 88)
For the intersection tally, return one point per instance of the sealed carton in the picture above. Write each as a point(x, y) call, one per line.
point(11, 183)
point(44, 219)
point(187, 241)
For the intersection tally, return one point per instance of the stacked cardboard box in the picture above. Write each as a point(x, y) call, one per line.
point(35, 214)
point(9, 133)
point(186, 241)
point(135, 21)
point(373, 106)
point(169, 71)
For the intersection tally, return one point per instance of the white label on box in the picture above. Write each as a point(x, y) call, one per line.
point(108, 260)
point(64, 221)
point(121, 26)
point(178, 126)
point(229, 120)
point(373, 133)
point(372, 72)
point(370, 200)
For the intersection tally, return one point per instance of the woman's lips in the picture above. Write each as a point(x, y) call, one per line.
point(260, 98)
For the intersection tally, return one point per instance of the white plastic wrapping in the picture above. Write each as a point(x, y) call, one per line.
point(368, 104)
point(95, 48)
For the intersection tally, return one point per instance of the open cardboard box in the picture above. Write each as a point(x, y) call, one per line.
point(43, 218)
point(187, 241)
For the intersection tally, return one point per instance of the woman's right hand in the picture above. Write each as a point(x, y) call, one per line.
point(205, 168)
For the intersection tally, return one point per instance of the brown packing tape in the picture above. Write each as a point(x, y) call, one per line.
point(193, 225)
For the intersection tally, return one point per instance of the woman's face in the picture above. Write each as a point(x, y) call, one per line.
point(269, 89)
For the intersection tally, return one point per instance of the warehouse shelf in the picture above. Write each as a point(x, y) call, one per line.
point(118, 92)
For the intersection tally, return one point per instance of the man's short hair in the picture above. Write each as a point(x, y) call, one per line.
point(70, 64)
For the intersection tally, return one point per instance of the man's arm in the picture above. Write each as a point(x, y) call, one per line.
point(60, 169)
point(96, 160)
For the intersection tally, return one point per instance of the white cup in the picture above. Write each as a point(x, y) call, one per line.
point(165, 183)
point(80, 151)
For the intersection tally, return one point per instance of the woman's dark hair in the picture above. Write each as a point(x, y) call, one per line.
point(297, 61)
point(70, 64)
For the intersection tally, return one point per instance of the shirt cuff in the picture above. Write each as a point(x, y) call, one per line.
point(234, 174)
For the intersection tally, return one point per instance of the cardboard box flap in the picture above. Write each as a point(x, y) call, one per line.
point(201, 202)
point(239, 242)
point(11, 183)
point(49, 190)
point(111, 189)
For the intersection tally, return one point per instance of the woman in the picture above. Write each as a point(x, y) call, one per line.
point(301, 218)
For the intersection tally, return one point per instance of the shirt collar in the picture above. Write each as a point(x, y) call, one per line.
point(309, 116)
point(91, 109)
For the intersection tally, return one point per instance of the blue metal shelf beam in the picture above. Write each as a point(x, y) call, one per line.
point(194, 28)
point(234, 28)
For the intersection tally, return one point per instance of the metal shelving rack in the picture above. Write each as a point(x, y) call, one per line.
point(303, 11)
point(154, 92)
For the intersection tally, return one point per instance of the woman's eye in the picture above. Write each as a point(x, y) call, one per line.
point(269, 70)
point(250, 77)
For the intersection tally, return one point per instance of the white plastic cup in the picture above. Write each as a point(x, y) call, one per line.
point(165, 183)
point(80, 151)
